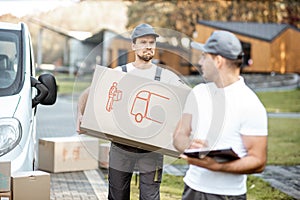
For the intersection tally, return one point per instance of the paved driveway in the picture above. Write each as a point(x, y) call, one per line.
point(59, 121)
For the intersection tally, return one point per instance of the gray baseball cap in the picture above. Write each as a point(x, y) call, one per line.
point(221, 43)
point(143, 30)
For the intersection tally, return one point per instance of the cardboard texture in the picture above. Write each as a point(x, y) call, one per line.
point(132, 110)
point(104, 155)
point(5, 173)
point(33, 185)
point(5, 195)
point(66, 154)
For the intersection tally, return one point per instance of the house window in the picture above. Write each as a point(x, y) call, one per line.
point(122, 57)
point(247, 54)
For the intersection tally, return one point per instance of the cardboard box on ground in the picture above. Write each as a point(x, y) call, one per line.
point(33, 185)
point(5, 173)
point(66, 154)
point(5, 195)
point(132, 110)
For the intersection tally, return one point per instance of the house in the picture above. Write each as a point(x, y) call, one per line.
point(83, 50)
point(268, 47)
point(108, 48)
point(174, 57)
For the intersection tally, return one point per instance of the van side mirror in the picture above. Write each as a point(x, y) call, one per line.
point(46, 90)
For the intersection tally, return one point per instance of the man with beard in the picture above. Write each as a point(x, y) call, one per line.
point(124, 159)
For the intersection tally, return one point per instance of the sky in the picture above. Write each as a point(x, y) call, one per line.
point(20, 8)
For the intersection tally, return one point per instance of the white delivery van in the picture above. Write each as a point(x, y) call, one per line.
point(20, 93)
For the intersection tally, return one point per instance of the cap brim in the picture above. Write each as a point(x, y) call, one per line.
point(198, 46)
point(153, 34)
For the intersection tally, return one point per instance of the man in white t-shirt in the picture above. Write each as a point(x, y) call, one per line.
point(222, 113)
point(124, 159)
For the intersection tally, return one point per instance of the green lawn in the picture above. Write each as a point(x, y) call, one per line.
point(281, 101)
point(69, 84)
point(283, 143)
point(172, 187)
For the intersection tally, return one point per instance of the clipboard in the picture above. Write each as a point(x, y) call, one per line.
point(221, 155)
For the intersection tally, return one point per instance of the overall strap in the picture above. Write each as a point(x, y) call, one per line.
point(124, 68)
point(157, 73)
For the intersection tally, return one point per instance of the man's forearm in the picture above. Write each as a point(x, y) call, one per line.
point(82, 102)
point(181, 142)
point(246, 165)
point(181, 136)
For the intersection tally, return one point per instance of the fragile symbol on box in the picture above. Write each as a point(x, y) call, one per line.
point(75, 154)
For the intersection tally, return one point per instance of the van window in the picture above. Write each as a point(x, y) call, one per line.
point(10, 62)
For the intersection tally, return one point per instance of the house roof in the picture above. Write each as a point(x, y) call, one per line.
point(97, 37)
point(78, 35)
point(262, 31)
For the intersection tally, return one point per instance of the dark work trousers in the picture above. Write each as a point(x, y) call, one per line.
point(123, 161)
point(189, 194)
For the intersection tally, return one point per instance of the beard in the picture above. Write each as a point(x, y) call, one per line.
point(146, 57)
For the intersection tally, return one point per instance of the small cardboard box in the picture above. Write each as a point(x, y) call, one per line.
point(5, 173)
point(5, 195)
point(133, 110)
point(33, 185)
point(66, 154)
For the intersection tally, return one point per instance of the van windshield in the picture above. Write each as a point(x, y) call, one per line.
point(10, 66)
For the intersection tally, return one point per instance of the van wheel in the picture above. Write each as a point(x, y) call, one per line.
point(138, 117)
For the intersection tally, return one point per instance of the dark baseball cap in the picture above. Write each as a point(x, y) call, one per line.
point(143, 30)
point(222, 43)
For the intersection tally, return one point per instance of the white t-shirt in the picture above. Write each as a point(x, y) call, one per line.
point(221, 116)
point(166, 76)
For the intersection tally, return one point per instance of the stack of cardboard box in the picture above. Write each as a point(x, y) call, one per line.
point(33, 185)
point(61, 154)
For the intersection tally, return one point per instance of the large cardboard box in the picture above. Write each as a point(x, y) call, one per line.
point(5, 195)
point(5, 173)
point(33, 185)
point(66, 154)
point(132, 110)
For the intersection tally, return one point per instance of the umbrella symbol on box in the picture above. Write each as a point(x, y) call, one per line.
point(113, 95)
point(143, 99)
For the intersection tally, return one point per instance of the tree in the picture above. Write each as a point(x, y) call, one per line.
point(183, 15)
